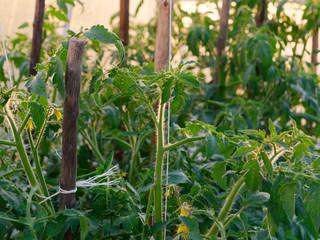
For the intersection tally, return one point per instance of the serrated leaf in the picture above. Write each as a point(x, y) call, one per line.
point(37, 85)
point(211, 146)
point(191, 223)
point(166, 92)
point(177, 177)
point(95, 77)
point(272, 129)
point(175, 105)
point(38, 114)
point(192, 129)
point(253, 176)
point(56, 69)
point(242, 151)
point(218, 171)
point(267, 163)
point(100, 33)
point(84, 227)
point(254, 198)
point(287, 195)
point(190, 79)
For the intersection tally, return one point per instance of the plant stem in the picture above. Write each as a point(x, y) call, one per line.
point(38, 168)
point(7, 143)
point(158, 170)
point(148, 209)
point(226, 206)
point(24, 159)
point(187, 140)
point(93, 147)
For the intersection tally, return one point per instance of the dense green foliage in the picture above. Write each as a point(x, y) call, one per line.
point(244, 159)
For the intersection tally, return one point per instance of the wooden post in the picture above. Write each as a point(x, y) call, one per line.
point(222, 39)
point(36, 37)
point(162, 49)
point(262, 13)
point(161, 55)
point(70, 124)
point(315, 47)
point(124, 21)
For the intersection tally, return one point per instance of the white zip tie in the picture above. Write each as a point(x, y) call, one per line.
point(6, 55)
point(168, 124)
point(90, 182)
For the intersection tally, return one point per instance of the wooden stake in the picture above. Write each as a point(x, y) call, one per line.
point(222, 39)
point(161, 57)
point(315, 47)
point(70, 124)
point(124, 21)
point(162, 49)
point(36, 37)
point(262, 13)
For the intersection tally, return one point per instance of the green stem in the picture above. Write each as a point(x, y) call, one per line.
point(24, 159)
point(41, 134)
point(148, 209)
point(38, 168)
point(226, 206)
point(28, 213)
point(17, 170)
point(24, 123)
point(158, 171)
point(7, 143)
point(132, 167)
point(93, 147)
point(187, 140)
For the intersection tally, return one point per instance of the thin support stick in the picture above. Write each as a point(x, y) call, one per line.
point(6, 55)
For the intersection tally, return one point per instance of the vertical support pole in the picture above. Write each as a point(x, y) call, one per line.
point(70, 124)
point(162, 49)
point(262, 13)
point(161, 55)
point(222, 39)
point(37, 36)
point(124, 22)
point(315, 47)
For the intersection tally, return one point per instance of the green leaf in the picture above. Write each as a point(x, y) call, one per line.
point(190, 79)
point(58, 14)
point(166, 92)
point(37, 84)
point(56, 69)
point(177, 177)
point(272, 129)
point(175, 105)
point(247, 74)
point(95, 77)
point(84, 227)
point(272, 227)
point(242, 151)
point(253, 176)
point(192, 129)
point(191, 223)
point(195, 235)
point(218, 171)
point(212, 145)
point(267, 163)
point(254, 198)
point(38, 114)
point(98, 32)
point(287, 195)
point(158, 226)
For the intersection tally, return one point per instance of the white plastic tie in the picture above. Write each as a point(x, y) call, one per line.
point(90, 182)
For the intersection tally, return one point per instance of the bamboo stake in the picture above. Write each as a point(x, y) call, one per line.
point(124, 22)
point(70, 124)
point(36, 37)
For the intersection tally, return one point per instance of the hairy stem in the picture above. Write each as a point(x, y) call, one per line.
point(226, 206)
